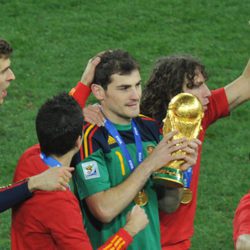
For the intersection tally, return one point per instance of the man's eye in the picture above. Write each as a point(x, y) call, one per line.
point(190, 85)
point(124, 88)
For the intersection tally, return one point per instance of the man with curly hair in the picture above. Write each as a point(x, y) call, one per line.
point(171, 76)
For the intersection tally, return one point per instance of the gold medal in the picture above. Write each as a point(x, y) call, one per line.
point(141, 199)
point(187, 196)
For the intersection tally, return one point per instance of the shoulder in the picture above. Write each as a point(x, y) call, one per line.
point(92, 131)
point(146, 119)
point(218, 107)
point(148, 126)
point(33, 151)
point(29, 164)
point(94, 138)
point(244, 203)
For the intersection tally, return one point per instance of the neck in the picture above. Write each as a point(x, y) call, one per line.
point(65, 159)
point(116, 119)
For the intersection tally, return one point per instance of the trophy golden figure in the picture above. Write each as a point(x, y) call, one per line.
point(184, 115)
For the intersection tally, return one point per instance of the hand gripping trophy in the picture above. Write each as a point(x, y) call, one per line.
point(184, 115)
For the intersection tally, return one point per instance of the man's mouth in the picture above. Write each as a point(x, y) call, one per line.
point(205, 106)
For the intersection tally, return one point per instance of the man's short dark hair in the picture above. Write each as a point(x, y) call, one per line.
point(59, 123)
point(166, 80)
point(5, 49)
point(114, 62)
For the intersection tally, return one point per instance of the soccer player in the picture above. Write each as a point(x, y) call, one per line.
point(115, 170)
point(54, 179)
point(171, 76)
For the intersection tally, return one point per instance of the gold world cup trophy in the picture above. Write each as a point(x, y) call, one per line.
point(184, 115)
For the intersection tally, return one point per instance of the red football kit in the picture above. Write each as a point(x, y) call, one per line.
point(177, 228)
point(241, 223)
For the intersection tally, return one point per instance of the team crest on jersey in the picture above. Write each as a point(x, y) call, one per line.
point(111, 140)
point(90, 170)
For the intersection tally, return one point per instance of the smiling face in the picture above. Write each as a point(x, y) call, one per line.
point(199, 89)
point(6, 76)
point(121, 100)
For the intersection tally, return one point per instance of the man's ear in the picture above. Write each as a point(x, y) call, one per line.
point(98, 91)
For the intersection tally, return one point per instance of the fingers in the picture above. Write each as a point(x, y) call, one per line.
point(94, 115)
point(169, 136)
point(191, 155)
point(135, 209)
point(195, 143)
point(89, 72)
point(189, 162)
point(95, 60)
point(66, 171)
point(189, 150)
point(62, 177)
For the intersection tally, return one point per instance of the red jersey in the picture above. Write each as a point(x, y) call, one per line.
point(51, 220)
point(177, 228)
point(241, 223)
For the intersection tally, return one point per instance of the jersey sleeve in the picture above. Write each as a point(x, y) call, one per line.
point(80, 93)
point(241, 222)
point(121, 240)
point(218, 107)
point(14, 194)
point(91, 175)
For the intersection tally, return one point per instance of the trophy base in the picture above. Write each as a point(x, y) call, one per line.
point(168, 177)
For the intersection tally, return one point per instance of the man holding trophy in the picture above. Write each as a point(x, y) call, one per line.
point(116, 168)
point(173, 75)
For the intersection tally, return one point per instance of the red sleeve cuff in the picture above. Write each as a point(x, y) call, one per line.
point(80, 93)
point(120, 241)
point(126, 236)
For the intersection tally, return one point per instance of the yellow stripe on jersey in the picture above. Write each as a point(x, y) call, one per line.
point(86, 151)
point(119, 155)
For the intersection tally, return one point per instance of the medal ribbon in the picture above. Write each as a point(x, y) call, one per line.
point(50, 161)
point(138, 142)
point(187, 177)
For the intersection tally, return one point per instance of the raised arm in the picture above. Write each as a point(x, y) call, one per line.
point(238, 91)
point(81, 92)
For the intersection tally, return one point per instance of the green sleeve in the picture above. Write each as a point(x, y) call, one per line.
point(91, 175)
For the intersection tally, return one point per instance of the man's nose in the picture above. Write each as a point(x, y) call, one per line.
point(206, 91)
point(11, 75)
point(135, 93)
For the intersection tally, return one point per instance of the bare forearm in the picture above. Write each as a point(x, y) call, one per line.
point(238, 91)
